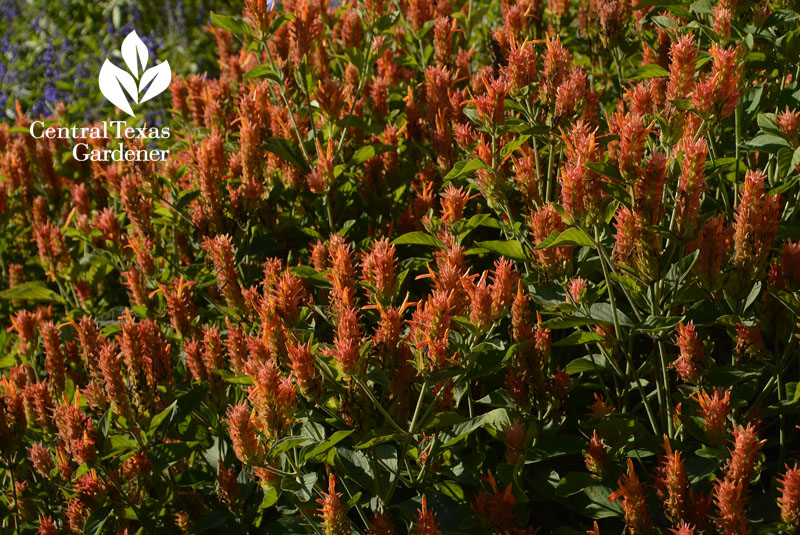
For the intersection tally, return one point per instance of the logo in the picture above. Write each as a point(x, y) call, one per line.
point(138, 82)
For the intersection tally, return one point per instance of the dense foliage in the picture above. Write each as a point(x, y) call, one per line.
point(423, 267)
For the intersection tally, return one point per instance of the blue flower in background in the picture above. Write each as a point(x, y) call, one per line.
point(47, 57)
point(10, 10)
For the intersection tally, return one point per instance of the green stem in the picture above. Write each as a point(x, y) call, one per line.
point(282, 91)
point(406, 443)
point(11, 467)
point(737, 127)
point(379, 406)
point(667, 406)
point(549, 191)
point(618, 330)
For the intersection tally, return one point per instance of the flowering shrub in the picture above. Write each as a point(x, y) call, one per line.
point(421, 267)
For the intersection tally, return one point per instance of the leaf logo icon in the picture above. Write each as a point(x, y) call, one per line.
point(138, 83)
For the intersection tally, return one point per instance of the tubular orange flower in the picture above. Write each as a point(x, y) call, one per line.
point(595, 456)
point(555, 66)
point(722, 21)
point(690, 187)
point(113, 381)
point(425, 523)
point(788, 121)
point(481, 301)
point(453, 202)
point(789, 499)
point(672, 484)
point(41, 459)
point(714, 410)
point(302, 363)
point(730, 503)
point(681, 69)
point(555, 261)
point(627, 234)
point(55, 363)
point(381, 525)
point(504, 279)
point(272, 396)
point(495, 509)
point(631, 492)
point(332, 512)
point(580, 186)
point(515, 437)
point(684, 529)
point(718, 94)
point(246, 444)
point(741, 465)
point(714, 242)
point(756, 223)
point(378, 268)
point(220, 249)
point(521, 318)
point(692, 359)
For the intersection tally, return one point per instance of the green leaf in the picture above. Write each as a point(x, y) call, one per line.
point(287, 443)
point(573, 483)
point(566, 322)
point(554, 446)
point(369, 151)
point(654, 324)
point(287, 150)
point(159, 418)
point(611, 171)
point(417, 238)
point(664, 21)
point(165, 455)
point(579, 337)
point(386, 21)
point(302, 487)
point(239, 380)
point(571, 236)
point(494, 419)
point(94, 524)
point(485, 363)
point(768, 123)
point(445, 419)
point(601, 506)
point(681, 104)
point(316, 453)
point(465, 167)
point(649, 71)
point(188, 402)
point(587, 363)
point(794, 397)
point(270, 499)
point(377, 436)
point(755, 291)
point(768, 143)
point(31, 291)
point(262, 71)
point(120, 444)
point(510, 248)
point(209, 522)
point(604, 313)
point(514, 145)
point(235, 25)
